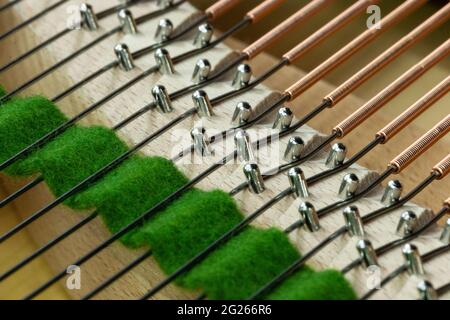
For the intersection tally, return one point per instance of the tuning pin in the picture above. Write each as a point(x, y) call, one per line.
point(202, 103)
point(298, 183)
point(254, 178)
point(392, 193)
point(127, 21)
point(349, 185)
point(162, 99)
point(426, 290)
point(413, 259)
point(88, 17)
point(242, 114)
point(201, 71)
point(124, 56)
point(201, 142)
point(164, 30)
point(354, 222)
point(163, 4)
point(445, 236)
point(283, 120)
point(336, 156)
point(164, 61)
point(407, 223)
point(294, 149)
point(242, 76)
point(309, 216)
point(243, 146)
point(203, 36)
point(367, 253)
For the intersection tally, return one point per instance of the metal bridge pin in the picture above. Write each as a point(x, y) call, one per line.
point(127, 21)
point(124, 56)
point(162, 99)
point(445, 236)
point(309, 216)
point(392, 193)
point(164, 61)
point(242, 114)
point(407, 223)
point(201, 71)
point(298, 183)
point(294, 149)
point(336, 156)
point(413, 259)
point(243, 146)
point(164, 3)
point(203, 36)
point(242, 76)
point(283, 119)
point(164, 30)
point(367, 253)
point(354, 222)
point(88, 17)
point(426, 290)
point(201, 142)
point(202, 103)
point(349, 185)
point(254, 178)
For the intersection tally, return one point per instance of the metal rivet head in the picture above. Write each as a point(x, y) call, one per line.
point(164, 61)
point(203, 36)
point(201, 142)
point(88, 17)
point(407, 223)
point(254, 178)
point(242, 114)
point(202, 103)
point(162, 99)
point(164, 3)
point(367, 253)
point(426, 290)
point(309, 216)
point(242, 76)
point(445, 236)
point(349, 185)
point(294, 149)
point(413, 259)
point(164, 30)
point(283, 119)
point(336, 156)
point(124, 56)
point(201, 71)
point(298, 183)
point(354, 222)
point(392, 193)
point(127, 21)
point(243, 146)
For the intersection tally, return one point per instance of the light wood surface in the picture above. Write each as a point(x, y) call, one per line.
point(284, 213)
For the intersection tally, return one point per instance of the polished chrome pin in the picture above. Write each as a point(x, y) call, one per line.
point(127, 22)
point(308, 215)
point(336, 156)
point(243, 146)
point(242, 76)
point(349, 185)
point(254, 178)
point(164, 61)
point(203, 36)
point(202, 103)
point(162, 99)
point(392, 193)
point(88, 17)
point(201, 142)
point(367, 253)
point(164, 30)
point(283, 119)
point(407, 223)
point(242, 114)
point(298, 183)
point(353, 222)
point(413, 259)
point(201, 71)
point(294, 149)
point(124, 56)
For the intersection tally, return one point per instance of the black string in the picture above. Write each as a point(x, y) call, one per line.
point(9, 4)
point(21, 191)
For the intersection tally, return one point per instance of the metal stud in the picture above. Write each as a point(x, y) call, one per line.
point(127, 21)
point(242, 114)
point(426, 290)
point(354, 222)
point(336, 156)
point(254, 178)
point(164, 61)
point(445, 236)
point(164, 30)
point(349, 185)
point(294, 149)
point(242, 76)
point(243, 146)
point(203, 36)
point(413, 259)
point(162, 99)
point(88, 17)
point(202, 103)
point(201, 142)
point(163, 4)
point(309, 216)
point(367, 253)
point(201, 71)
point(298, 183)
point(392, 193)
point(283, 119)
point(407, 223)
point(124, 56)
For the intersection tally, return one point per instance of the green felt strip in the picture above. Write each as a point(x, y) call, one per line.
point(176, 234)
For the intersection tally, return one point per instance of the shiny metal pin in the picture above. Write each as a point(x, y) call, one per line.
point(308, 215)
point(164, 61)
point(201, 71)
point(163, 4)
point(127, 22)
point(407, 223)
point(353, 221)
point(426, 290)
point(367, 253)
point(336, 156)
point(298, 183)
point(242, 76)
point(349, 185)
point(242, 114)
point(283, 119)
point(162, 99)
point(164, 30)
point(201, 142)
point(294, 149)
point(413, 259)
point(445, 236)
point(254, 178)
point(243, 146)
point(124, 56)
point(392, 193)
point(203, 36)
point(202, 103)
point(88, 17)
